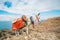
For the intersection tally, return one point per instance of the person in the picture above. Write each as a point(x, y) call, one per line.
point(24, 18)
point(32, 21)
point(38, 17)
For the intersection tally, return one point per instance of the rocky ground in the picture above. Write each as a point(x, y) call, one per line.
point(46, 30)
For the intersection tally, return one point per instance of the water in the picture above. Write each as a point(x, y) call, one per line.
point(5, 25)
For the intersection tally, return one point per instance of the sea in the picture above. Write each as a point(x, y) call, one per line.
point(5, 25)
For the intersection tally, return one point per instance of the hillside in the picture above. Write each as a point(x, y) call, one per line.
point(51, 23)
point(46, 30)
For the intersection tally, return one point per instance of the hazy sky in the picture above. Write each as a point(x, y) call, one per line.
point(29, 7)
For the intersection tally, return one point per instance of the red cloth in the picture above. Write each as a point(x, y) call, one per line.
point(18, 24)
point(37, 18)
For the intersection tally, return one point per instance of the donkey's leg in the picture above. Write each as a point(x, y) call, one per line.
point(19, 31)
point(15, 32)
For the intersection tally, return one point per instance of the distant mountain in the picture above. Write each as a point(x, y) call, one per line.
point(3, 12)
